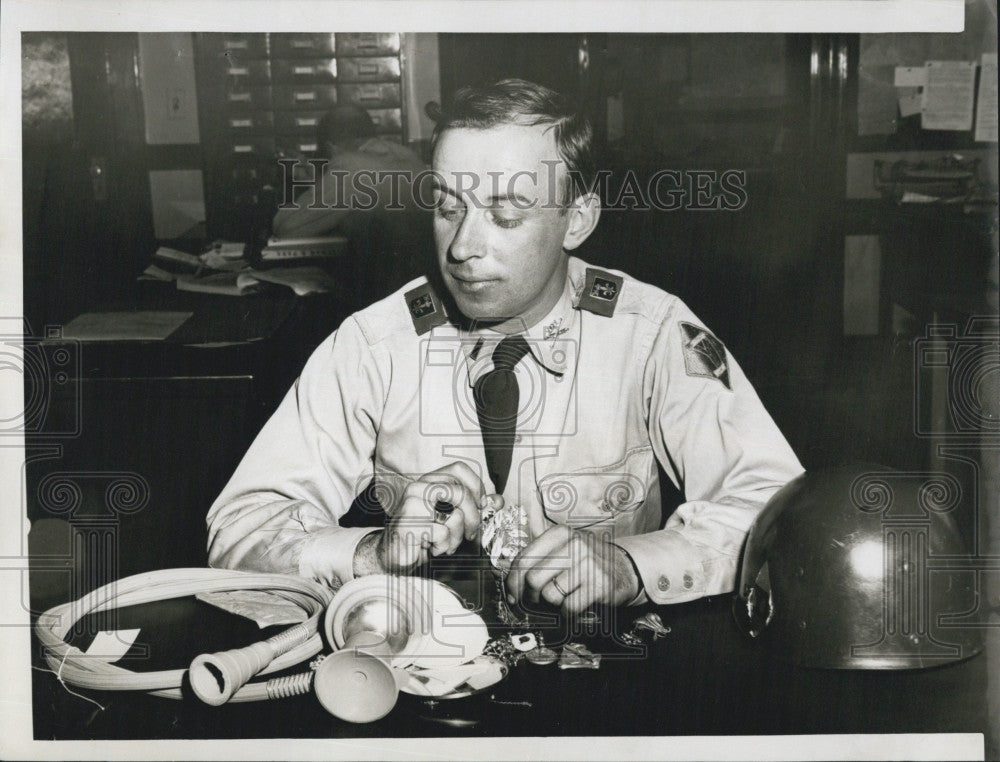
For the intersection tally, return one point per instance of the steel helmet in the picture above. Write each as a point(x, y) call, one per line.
point(860, 567)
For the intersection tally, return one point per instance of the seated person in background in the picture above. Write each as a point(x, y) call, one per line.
point(345, 136)
point(538, 393)
point(385, 244)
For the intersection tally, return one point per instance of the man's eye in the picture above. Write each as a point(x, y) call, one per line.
point(450, 213)
point(502, 221)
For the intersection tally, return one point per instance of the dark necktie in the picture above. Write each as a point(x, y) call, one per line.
point(496, 396)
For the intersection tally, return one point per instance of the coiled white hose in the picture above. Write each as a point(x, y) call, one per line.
point(76, 668)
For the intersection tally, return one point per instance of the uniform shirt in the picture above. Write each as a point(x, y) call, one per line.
point(601, 400)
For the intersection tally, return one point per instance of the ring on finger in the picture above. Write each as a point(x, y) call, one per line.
point(558, 587)
point(442, 511)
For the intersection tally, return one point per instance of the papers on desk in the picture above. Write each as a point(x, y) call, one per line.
point(124, 326)
point(168, 255)
point(283, 249)
point(226, 284)
point(222, 269)
point(302, 280)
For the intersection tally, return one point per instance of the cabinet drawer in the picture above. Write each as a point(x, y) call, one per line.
point(368, 44)
point(285, 45)
point(297, 122)
point(304, 71)
point(384, 95)
point(292, 145)
point(375, 69)
point(250, 123)
point(387, 119)
point(240, 74)
point(251, 145)
point(234, 46)
point(247, 98)
point(305, 97)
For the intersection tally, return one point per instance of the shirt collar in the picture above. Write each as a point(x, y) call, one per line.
point(544, 339)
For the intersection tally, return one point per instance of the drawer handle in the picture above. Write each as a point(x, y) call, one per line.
point(239, 97)
point(309, 96)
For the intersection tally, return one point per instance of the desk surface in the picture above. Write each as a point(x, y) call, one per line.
point(703, 678)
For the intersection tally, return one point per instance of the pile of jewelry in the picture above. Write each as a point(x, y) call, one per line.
point(504, 530)
point(532, 645)
point(502, 649)
point(647, 623)
point(504, 535)
point(578, 656)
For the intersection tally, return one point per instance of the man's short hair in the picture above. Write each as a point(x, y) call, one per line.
point(518, 101)
point(342, 124)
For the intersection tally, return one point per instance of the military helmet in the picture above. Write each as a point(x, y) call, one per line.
point(860, 567)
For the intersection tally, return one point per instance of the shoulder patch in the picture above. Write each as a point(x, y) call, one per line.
point(600, 292)
point(426, 310)
point(704, 355)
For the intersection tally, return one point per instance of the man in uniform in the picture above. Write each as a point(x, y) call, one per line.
point(530, 392)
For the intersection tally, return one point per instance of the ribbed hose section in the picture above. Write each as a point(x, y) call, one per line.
point(290, 685)
point(286, 640)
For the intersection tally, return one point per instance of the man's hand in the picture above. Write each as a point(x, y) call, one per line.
point(572, 570)
point(417, 528)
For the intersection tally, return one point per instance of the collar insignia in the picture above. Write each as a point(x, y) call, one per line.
point(600, 292)
point(426, 310)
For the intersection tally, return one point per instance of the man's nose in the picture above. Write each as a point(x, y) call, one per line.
point(466, 244)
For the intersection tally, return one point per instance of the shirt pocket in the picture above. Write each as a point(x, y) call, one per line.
point(588, 496)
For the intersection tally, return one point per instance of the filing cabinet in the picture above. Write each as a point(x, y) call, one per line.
point(262, 96)
point(375, 69)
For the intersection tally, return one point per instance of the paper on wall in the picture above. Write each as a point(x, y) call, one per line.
point(949, 95)
point(911, 101)
point(986, 101)
point(910, 76)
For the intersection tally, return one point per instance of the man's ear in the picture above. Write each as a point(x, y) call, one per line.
point(583, 213)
